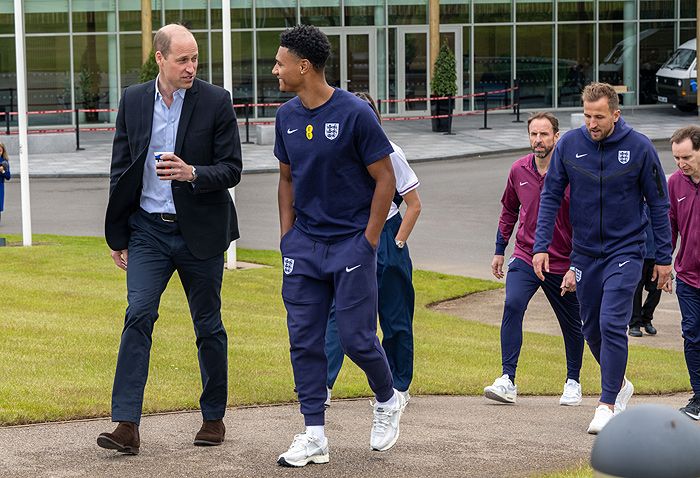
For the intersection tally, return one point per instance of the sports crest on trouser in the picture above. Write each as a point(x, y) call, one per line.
point(332, 130)
point(623, 157)
point(288, 265)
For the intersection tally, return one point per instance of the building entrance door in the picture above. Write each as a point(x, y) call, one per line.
point(353, 62)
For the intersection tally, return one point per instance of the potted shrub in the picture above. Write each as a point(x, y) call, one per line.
point(444, 83)
point(149, 70)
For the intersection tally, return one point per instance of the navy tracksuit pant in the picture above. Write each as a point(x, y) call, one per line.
point(315, 274)
point(521, 285)
point(396, 304)
point(156, 250)
point(605, 289)
point(689, 302)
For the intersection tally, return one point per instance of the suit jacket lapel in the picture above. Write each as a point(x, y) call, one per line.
point(147, 104)
point(187, 109)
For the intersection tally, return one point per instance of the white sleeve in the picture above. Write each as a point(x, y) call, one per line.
point(406, 179)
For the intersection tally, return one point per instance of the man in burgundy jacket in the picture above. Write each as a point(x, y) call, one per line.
point(521, 200)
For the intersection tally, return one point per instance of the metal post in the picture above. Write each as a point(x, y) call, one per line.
point(450, 105)
point(516, 100)
point(247, 124)
point(379, 105)
point(77, 131)
point(7, 120)
point(486, 108)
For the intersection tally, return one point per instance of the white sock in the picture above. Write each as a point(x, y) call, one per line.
point(389, 403)
point(317, 431)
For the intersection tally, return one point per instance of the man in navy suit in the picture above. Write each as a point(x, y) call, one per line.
point(176, 153)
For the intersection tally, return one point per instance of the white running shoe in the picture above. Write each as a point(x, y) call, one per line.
point(385, 424)
point(502, 390)
point(327, 403)
point(572, 394)
point(602, 416)
point(406, 396)
point(305, 449)
point(623, 396)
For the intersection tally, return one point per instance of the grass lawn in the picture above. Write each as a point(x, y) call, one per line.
point(63, 305)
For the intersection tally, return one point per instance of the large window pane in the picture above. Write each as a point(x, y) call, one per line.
point(130, 59)
point(242, 66)
point(533, 11)
point(393, 71)
point(617, 10)
point(130, 15)
point(486, 11)
point(574, 10)
point(48, 78)
point(618, 55)
point(45, 16)
point(688, 8)
point(333, 62)
point(8, 77)
point(320, 12)
point(364, 12)
point(268, 86)
point(466, 51)
point(7, 17)
point(190, 13)
point(687, 31)
point(203, 50)
point(454, 11)
point(94, 15)
point(492, 62)
point(533, 67)
point(655, 47)
point(407, 12)
point(241, 14)
point(416, 71)
point(95, 70)
point(575, 67)
point(275, 13)
point(657, 8)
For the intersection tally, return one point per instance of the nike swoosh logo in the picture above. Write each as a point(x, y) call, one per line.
point(290, 131)
point(680, 199)
point(620, 264)
point(581, 155)
point(350, 269)
point(523, 184)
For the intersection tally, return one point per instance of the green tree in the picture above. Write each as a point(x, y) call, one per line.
point(149, 70)
point(444, 82)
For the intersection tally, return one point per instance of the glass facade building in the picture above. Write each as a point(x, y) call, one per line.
point(82, 53)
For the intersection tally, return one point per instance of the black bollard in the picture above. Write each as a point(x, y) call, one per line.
point(77, 131)
point(449, 117)
point(516, 101)
point(486, 108)
point(7, 120)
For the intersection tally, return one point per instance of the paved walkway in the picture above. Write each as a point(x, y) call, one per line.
point(415, 137)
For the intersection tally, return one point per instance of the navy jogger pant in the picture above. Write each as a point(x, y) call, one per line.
point(689, 302)
point(521, 285)
point(315, 274)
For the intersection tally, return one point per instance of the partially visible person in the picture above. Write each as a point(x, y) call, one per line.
point(176, 153)
point(684, 190)
point(643, 313)
point(394, 279)
point(521, 200)
point(4, 175)
point(610, 169)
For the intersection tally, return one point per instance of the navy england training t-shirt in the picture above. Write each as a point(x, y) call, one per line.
point(328, 149)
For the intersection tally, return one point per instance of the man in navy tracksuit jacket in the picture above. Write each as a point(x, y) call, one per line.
point(611, 169)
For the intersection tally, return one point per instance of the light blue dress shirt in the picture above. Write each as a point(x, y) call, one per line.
point(157, 195)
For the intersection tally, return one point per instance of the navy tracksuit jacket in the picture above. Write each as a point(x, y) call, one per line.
point(609, 181)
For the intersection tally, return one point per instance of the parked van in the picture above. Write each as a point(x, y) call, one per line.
point(677, 79)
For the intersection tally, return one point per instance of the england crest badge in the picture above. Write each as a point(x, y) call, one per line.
point(288, 265)
point(332, 130)
point(623, 157)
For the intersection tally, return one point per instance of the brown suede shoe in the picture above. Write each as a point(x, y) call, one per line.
point(211, 434)
point(124, 439)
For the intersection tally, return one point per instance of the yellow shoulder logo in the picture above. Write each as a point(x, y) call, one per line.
point(309, 132)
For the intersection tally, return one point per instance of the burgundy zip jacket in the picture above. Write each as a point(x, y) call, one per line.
point(685, 220)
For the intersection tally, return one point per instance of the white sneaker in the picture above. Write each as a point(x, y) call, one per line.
point(502, 390)
point(406, 396)
point(623, 396)
point(305, 449)
point(327, 403)
point(385, 424)
point(572, 394)
point(602, 416)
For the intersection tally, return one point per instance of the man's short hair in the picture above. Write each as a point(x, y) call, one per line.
point(161, 41)
point(307, 42)
point(544, 115)
point(595, 91)
point(691, 132)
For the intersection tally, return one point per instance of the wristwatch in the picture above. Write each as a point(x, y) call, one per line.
point(194, 175)
point(400, 244)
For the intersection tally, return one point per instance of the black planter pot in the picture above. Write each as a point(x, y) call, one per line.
point(439, 108)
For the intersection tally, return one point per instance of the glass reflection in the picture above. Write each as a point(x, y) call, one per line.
point(575, 66)
point(534, 65)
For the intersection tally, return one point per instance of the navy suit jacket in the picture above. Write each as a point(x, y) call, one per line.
point(207, 137)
